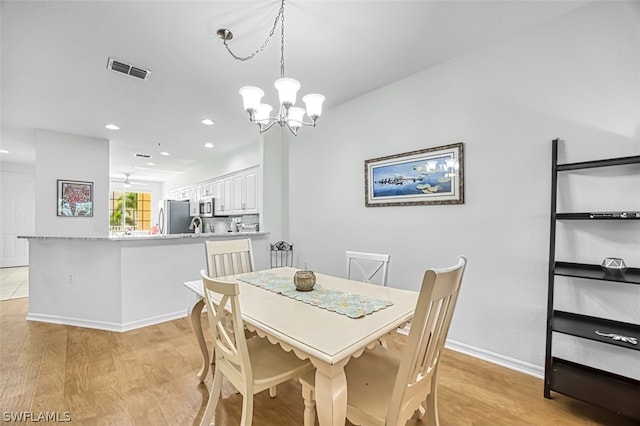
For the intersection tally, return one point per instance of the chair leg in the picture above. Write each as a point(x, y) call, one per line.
point(308, 394)
point(213, 399)
point(421, 411)
point(272, 391)
point(431, 408)
point(247, 409)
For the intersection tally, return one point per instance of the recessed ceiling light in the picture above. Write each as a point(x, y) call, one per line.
point(208, 145)
point(112, 127)
point(164, 153)
point(3, 151)
point(207, 121)
point(150, 164)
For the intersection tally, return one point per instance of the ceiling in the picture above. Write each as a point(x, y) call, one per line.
point(54, 65)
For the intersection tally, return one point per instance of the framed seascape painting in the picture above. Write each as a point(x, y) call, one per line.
point(427, 176)
point(75, 198)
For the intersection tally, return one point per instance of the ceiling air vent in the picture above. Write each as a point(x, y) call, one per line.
point(119, 66)
point(142, 155)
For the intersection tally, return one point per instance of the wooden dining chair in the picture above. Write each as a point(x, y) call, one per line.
point(251, 365)
point(384, 388)
point(367, 267)
point(229, 257)
point(226, 257)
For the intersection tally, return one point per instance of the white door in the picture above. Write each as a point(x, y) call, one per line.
point(17, 217)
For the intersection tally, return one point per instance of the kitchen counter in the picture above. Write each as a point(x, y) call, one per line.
point(146, 237)
point(120, 283)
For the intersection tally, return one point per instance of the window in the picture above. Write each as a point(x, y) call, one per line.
point(129, 211)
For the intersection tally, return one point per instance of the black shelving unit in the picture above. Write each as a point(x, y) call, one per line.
point(605, 389)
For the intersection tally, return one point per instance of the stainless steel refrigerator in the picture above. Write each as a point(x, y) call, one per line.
point(174, 217)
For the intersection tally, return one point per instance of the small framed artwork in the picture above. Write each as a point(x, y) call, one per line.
point(426, 176)
point(75, 198)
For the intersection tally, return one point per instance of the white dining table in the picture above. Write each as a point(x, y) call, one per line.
point(328, 339)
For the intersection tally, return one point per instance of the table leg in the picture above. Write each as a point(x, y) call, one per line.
point(196, 324)
point(331, 394)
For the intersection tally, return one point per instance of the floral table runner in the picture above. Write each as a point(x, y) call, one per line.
point(349, 304)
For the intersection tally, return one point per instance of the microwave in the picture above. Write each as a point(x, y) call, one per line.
point(206, 207)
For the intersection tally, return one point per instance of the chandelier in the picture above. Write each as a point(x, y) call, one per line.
point(288, 115)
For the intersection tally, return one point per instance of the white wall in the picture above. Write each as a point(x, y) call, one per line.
point(577, 78)
point(71, 157)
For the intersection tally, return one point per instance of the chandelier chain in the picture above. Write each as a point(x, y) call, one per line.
point(279, 17)
point(282, 40)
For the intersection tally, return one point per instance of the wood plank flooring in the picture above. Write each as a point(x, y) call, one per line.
point(147, 377)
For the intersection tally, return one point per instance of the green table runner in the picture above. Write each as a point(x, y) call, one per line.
point(349, 304)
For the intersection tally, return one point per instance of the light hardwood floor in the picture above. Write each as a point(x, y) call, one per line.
point(14, 282)
point(147, 377)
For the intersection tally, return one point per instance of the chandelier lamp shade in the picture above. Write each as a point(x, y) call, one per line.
point(288, 115)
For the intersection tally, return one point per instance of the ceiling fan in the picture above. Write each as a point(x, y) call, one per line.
point(127, 182)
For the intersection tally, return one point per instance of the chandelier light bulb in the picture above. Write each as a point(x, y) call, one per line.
point(294, 118)
point(251, 97)
point(262, 113)
point(313, 103)
point(287, 90)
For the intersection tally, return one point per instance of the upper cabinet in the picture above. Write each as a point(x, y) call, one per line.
point(207, 189)
point(222, 192)
point(237, 193)
point(190, 194)
point(251, 191)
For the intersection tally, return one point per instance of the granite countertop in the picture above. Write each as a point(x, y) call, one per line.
point(145, 237)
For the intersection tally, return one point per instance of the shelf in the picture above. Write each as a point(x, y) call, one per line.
point(598, 387)
point(622, 216)
point(602, 388)
point(599, 163)
point(586, 326)
point(595, 272)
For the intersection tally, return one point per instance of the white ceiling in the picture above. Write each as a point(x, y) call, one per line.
point(54, 57)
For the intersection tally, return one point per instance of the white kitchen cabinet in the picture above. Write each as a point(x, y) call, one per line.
point(194, 194)
point(183, 194)
point(223, 203)
point(208, 189)
point(251, 198)
point(237, 193)
point(244, 196)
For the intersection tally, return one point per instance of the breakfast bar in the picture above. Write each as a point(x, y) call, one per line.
point(121, 283)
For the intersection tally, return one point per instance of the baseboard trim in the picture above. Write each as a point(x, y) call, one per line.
point(154, 320)
point(495, 358)
point(104, 325)
point(492, 357)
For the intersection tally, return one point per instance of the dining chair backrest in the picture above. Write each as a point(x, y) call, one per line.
point(367, 267)
point(281, 254)
point(229, 257)
point(418, 367)
point(253, 364)
point(229, 340)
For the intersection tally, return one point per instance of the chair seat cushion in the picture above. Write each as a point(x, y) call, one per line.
point(370, 381)
point(271, 363)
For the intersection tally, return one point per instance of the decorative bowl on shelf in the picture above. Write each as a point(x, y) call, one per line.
point(614, 265)
point(304, 280)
